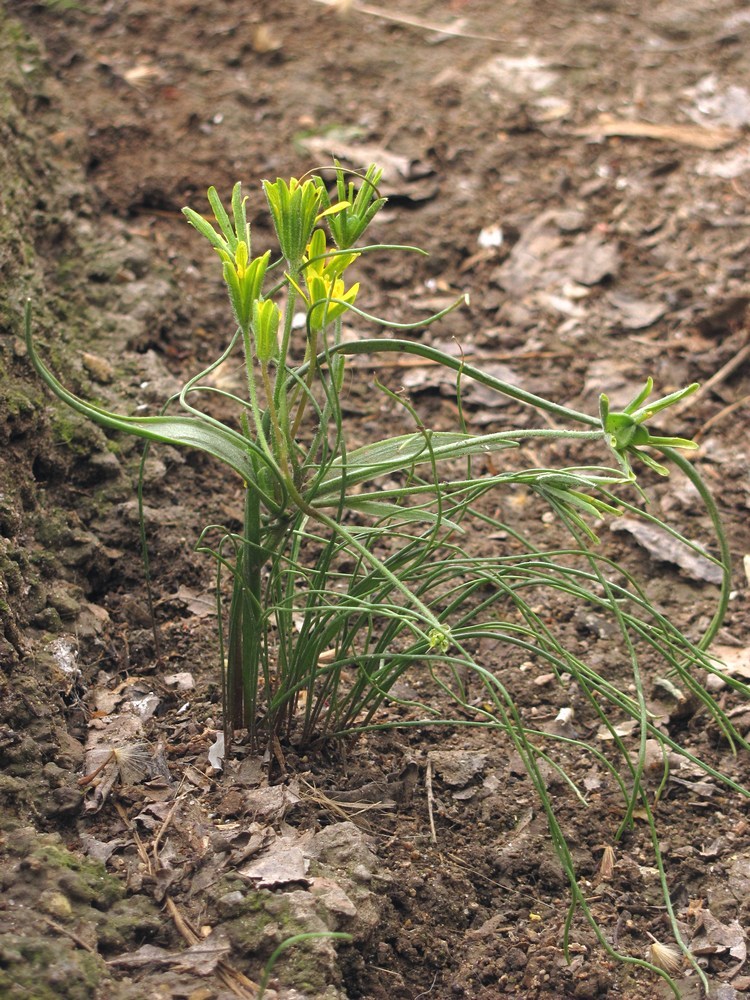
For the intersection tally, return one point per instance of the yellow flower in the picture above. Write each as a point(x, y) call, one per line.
point(327, 297)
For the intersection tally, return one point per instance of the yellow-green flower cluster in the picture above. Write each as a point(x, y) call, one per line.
point(327, 296)
point(266, 317)
point(244, 280)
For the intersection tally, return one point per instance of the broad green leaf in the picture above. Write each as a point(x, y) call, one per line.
point(406, 451)
point(221, 442)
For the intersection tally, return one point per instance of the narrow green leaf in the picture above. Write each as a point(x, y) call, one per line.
point(375, 508)
point(206, 229)
point(222, 218)
point(241, 227)
point(642, 395)
point(648, 411)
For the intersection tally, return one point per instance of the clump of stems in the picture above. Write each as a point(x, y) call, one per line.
point(352, 566)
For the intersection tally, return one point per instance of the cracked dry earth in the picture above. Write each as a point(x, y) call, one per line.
point(582, 170)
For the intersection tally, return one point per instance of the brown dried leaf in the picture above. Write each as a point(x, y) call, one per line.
point(203, 957)
point(270, 804)
point(199, 604)
point(591, 259)
point(683, 135)
point(633, 313)
point(664, 547)
point(458, 767)
point(393, 165)
point(266, 39)
point(200, 958)
point(147, 954)
point(284, 865)
point(713, 937)
point(735, 660)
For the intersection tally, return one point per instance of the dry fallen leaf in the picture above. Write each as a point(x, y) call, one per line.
point(141, 73)
point(713, 937)
point(621, 729)
point(734, 660)
point(199, 604)
point(203, 957)
point(270, 804)
point(666, 548)
point(216, 752)
point(684, 135)
point(458, 767)
point(393, 165)
point(266, 40)
point(283, 865)
point(200, 958)
point(634, 313)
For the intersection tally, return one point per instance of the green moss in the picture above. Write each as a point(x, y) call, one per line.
point(130, 923)
point(78, 434)
point(83, 879)
point(247, 933)
point(11, 787)
point(263, 922)
point(41, 968)
point(15, 398)
point(10, 571)
point(49, 620)
point(53, 530)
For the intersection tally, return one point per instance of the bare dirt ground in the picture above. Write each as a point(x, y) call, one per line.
point(582, 170)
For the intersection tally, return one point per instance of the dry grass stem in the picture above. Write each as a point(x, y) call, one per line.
point(430, 800)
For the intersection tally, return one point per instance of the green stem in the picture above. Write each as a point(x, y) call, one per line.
point(244, 625)
point(279, 434)
point(253, 392)
point(286, 336)
point(458, 365)
point(337, 528)
point(726, 557)
point(302, 405)
point(296, 939)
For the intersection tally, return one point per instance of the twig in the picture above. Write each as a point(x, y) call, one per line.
point(278, 754)
point(425, 993)
point(411, 22)
point(686, 135)
point(726, 370)
point(73, 937)
point(345, 810)
point(717, 378)
point(181, 922)
point(737, 405)
point(88, 778)
point(505, 886)
point(163, 829)
point(139, 845)
point(232, 978)
point(430, 800)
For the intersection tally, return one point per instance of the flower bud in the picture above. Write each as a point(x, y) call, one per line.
point(266, 316)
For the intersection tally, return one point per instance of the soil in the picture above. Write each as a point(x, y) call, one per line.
point(582, 170)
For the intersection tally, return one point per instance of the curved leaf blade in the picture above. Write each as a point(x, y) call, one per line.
point(405, 452)
point(221, 442)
